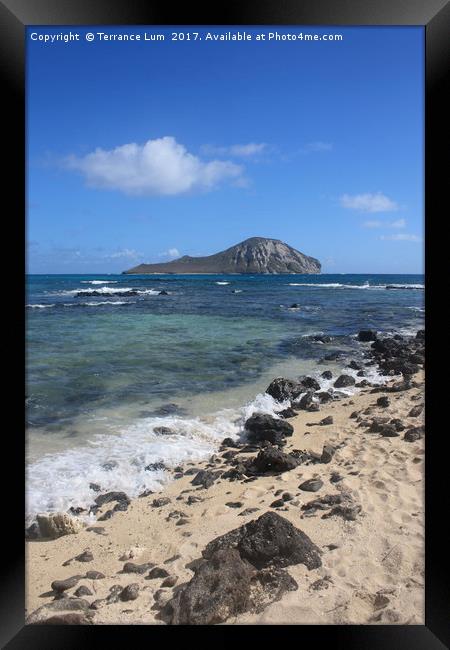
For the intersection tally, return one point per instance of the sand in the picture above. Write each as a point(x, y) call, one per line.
point(374, 570)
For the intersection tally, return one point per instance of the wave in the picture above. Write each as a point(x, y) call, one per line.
point(39, 306)
point(108, 291)
point(339, 285)
point(222, 283)
point(99, 281)
point(59, 481)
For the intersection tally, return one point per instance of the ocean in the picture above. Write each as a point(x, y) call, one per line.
point(110, 359)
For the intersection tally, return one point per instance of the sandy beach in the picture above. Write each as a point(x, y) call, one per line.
point(371, 551)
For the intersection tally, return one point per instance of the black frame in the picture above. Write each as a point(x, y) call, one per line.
point(434, 15)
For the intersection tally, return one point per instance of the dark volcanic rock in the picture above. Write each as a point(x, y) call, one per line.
point(83, 591)
point(131, 592)
point(282, 389)
point(111, 496)
point(131, 567)
point(383, 401)
point(68, 611)
point(161, 501)
point(305, 401)
point(311, 485)
point(327, 454)
point(271, 460)
point(219, 589)
point(269, 540)
point(367, 335)
point(310, 383)
point(94, 575)
point(158, 572)
point(266, 427)
point(86, 556)
point(327, 420)
point(205, 478)
point(344, 380)
point(163, 431)
point(68, 583)
point(327, 374)
point(414, 434)
point(287, 413)
point(416, 411)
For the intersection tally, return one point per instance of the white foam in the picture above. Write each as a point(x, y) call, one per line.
point(39, 306)
point(222, 283)
point(99, 282)
point(366, 285)
point(59, 481)
point(108, 291)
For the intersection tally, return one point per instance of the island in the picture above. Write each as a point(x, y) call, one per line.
point(254, 255)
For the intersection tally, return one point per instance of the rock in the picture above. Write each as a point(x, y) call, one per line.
point(219, 589)
point(153, 467)
point(182, 522)
point(420, 335)
point(248, 511)
point(278, 503)
point(335, 477)
point(163, 293)
point(266, 427)
point(234, 504)
point(94, 575)
point(130, 592)
point(383, 401)
point(226, 586)
point(68, 583)
point(99, 530)
point(347, 512)
point(327, 454)
point(295, 305)
point(397, 423)
point(111, 496)
point(205, 478)
point(367, 335)
point(324, 397)
point(163, 431)
point(380, 601)
point(131, 567)
point(65, 611)
point(416, 411)
point(161, 597)
point(344, 380)
point(311, 485)
point(321, 338)
point(229, 442)
point(321, 583)
point(107, 515)
point(114, 594)
point(414, 434)
point(284, 389)
point(309, 383)
point(271, 460)
point(86, 556)
point(269, 540)
point(354, 365)
point(327, 420)
point(99, 603)
point(57, 524)
point(287, 413)
point(32, 532)
point(95, 487)
point(327, 374)
point(158, 572)
point(83, 591)
point(305, 401)
point(170, 581)
point(109, 465)
point(160, 502)
point(287, 496)
point(323, 503)
point(313, 407)
point(389, 431)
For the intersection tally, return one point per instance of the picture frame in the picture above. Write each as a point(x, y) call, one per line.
point(434, 16)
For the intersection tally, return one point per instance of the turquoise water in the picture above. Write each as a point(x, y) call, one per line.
point(100, 366)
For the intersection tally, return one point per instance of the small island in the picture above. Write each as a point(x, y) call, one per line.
point(254, 255)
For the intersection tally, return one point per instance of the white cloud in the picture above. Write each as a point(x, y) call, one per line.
point(172, 253)
point(236, 150)
point(400, 223)
point(401, 237)
point(377, 202)
point(161, 166)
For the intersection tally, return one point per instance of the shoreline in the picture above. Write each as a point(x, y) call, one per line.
point(364, 578)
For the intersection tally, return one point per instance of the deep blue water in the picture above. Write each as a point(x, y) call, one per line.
point(102, 364)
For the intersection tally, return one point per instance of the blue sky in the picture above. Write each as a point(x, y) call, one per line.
point(144, 151)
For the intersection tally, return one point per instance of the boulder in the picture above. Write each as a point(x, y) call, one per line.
point(311, 485)
point(309, 382)
point(282, 389)
point(344, 380)
point(272, 460)
point(414, 434)
point(269, 540)
point(57, 524)
point(67, 611)
point(367, 335)
point(205, 478)
point(266, 427)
